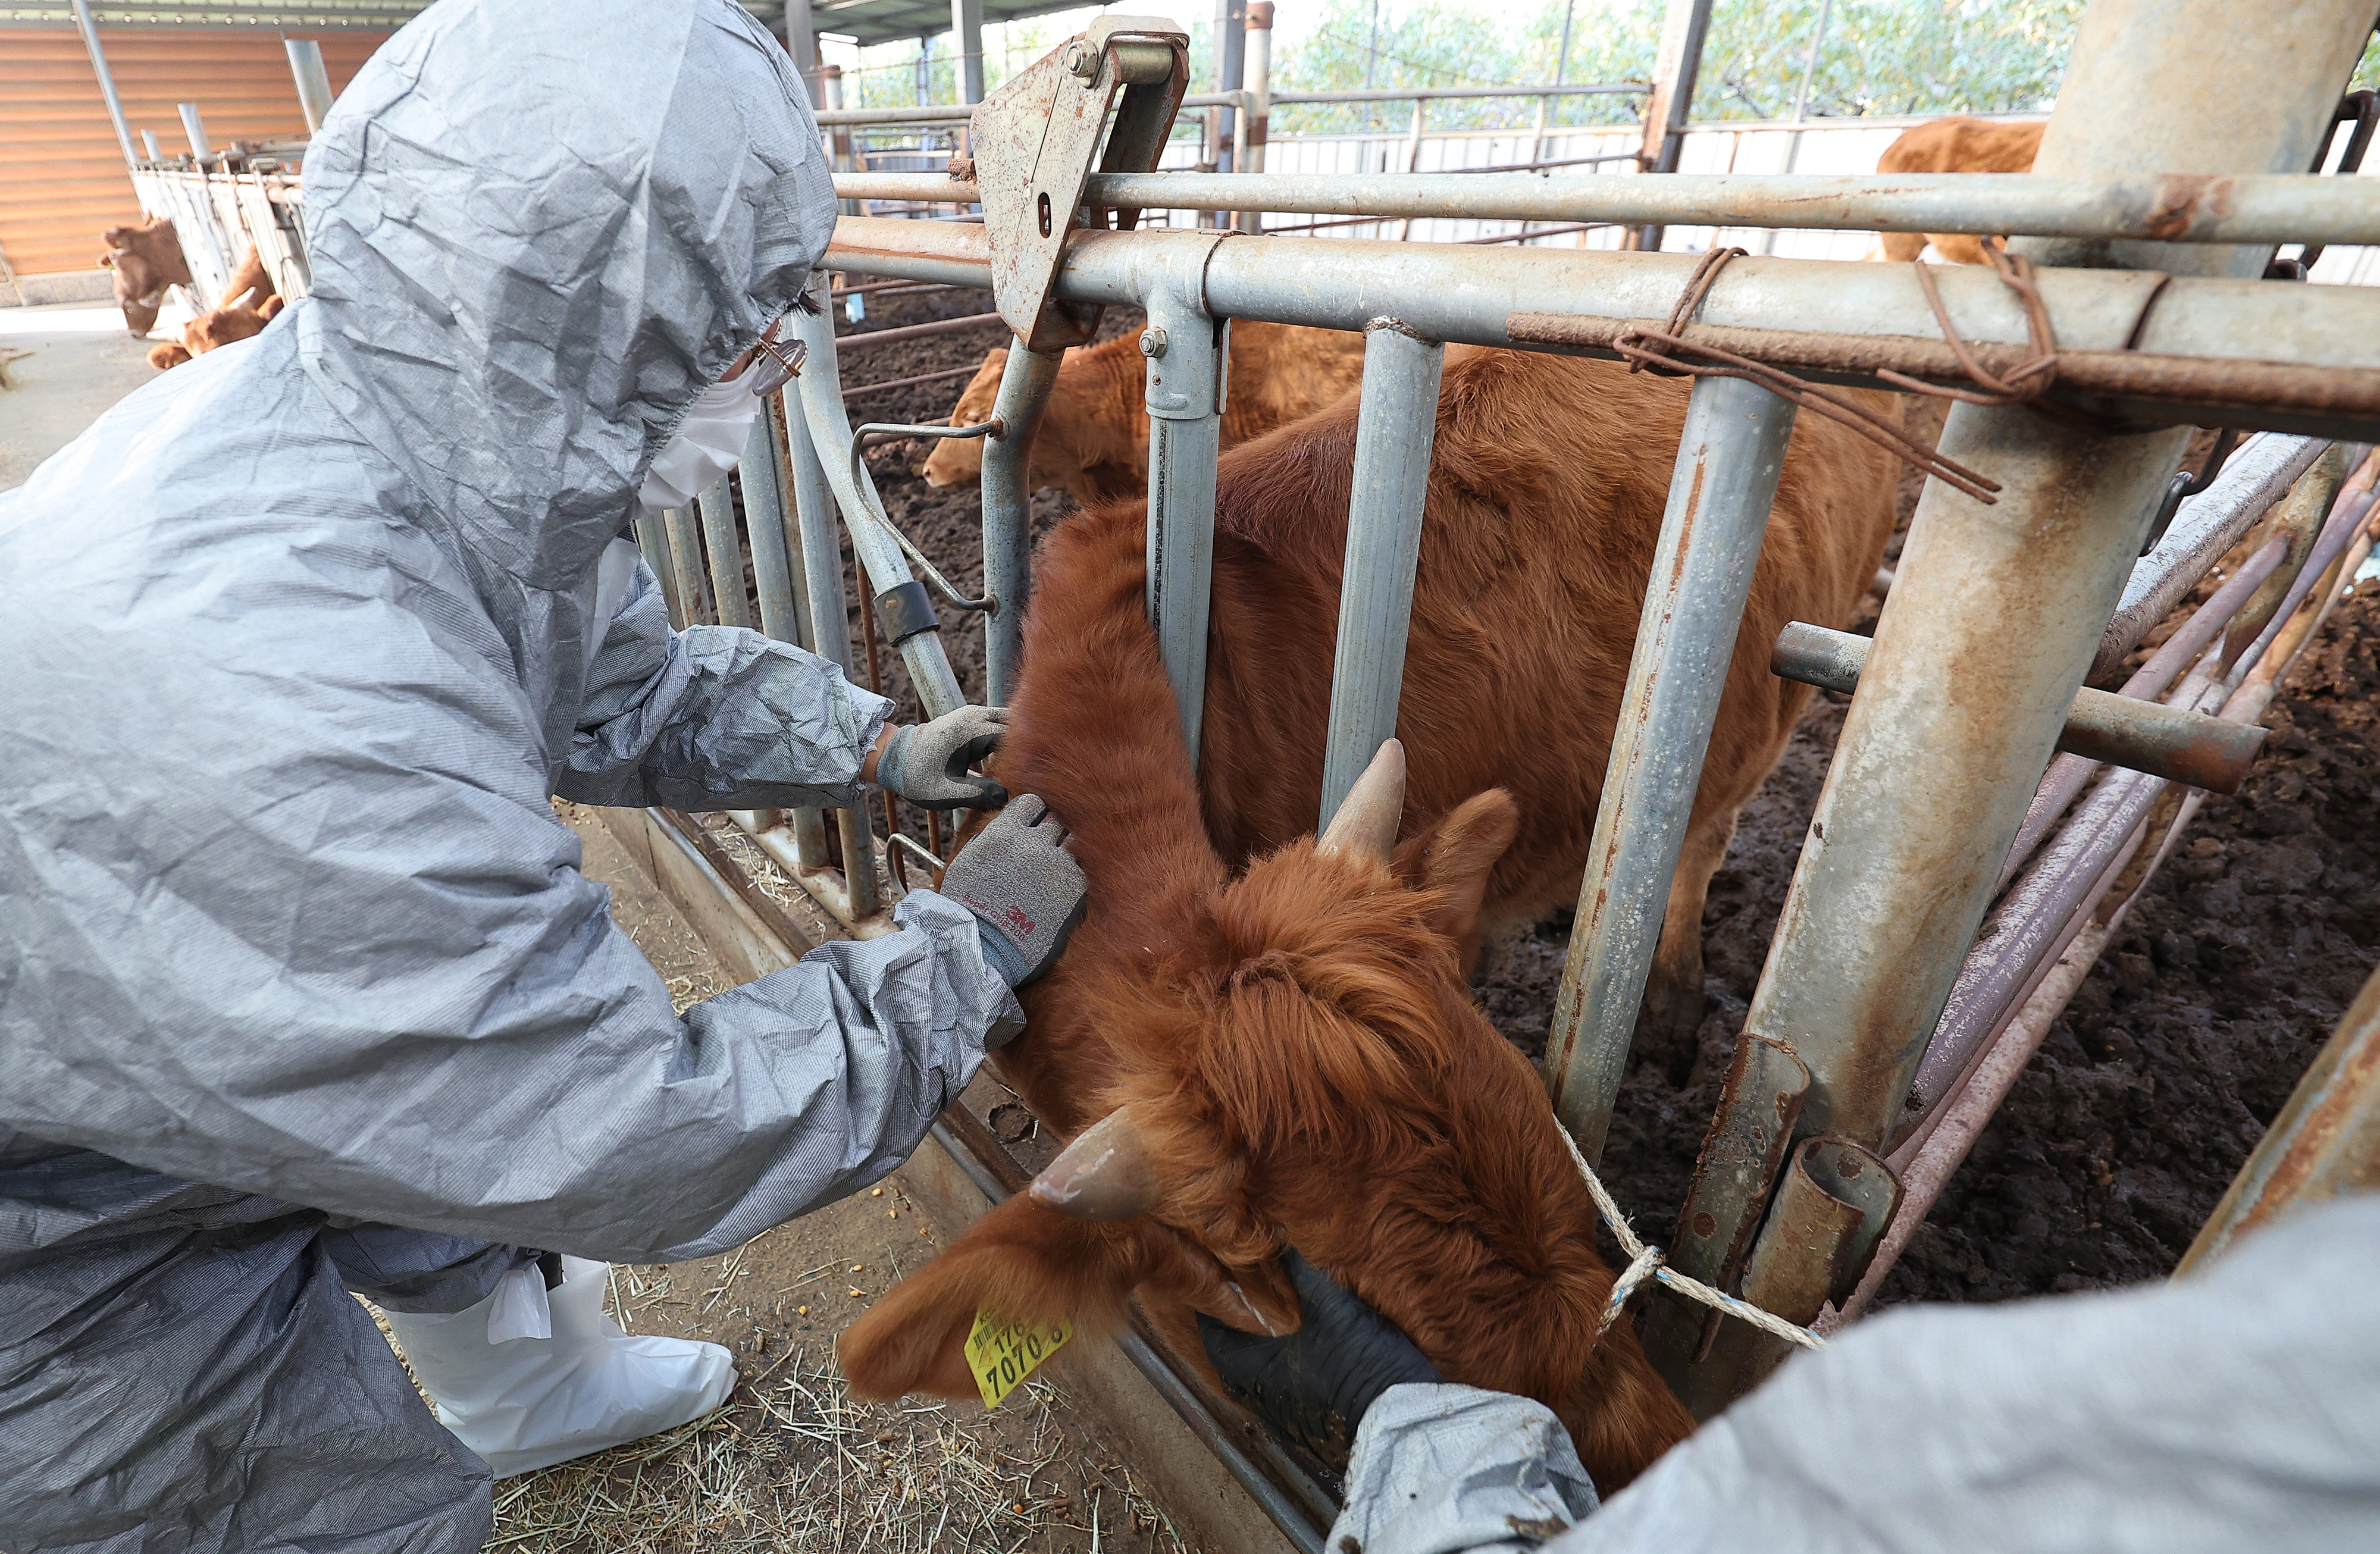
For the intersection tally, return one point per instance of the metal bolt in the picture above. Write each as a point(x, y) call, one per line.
point(1082, 60)
point(1152, 342)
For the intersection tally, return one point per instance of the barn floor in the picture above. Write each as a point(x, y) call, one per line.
point(2149, 1092)
point(78, 361)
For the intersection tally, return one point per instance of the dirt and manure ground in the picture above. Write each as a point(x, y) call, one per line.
point(2150, 1090)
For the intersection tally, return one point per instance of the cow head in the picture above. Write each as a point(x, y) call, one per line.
point(958, 461)
point(1307, 1053)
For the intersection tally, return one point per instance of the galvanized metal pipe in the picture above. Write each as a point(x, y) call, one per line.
point(764, 524)
point(2128, 730)
point(816, 559)
point(882, 567)
point(106, 79)
point(652, 539)
point(1996, 609)
point(1025, 384)
point(2128, 329)
point(2257, 475)
point(1721, 488)
point(2297, 521)
point(2262, 208)
point(686, 566)
point(1185, 348)
point(1396, 425)
point(725, 549)
point(313, 79)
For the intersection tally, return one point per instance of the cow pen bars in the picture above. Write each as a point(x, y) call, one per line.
point(1975, 674)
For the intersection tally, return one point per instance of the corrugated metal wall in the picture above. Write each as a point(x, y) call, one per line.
point(66, 180)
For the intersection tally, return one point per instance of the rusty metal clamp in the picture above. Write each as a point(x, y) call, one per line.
point(995, 427)
point(1035, 143)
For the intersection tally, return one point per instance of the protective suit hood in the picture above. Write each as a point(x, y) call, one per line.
point(535, 240)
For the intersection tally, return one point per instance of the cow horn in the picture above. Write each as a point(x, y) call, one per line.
point(1367, 821)
point(1104, 1174)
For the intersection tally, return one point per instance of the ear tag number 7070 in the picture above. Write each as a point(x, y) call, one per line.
point(1002, 1354)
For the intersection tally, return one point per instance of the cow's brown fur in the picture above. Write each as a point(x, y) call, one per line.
point(146, 260)
point(1956, 145)
point(1093, 438)
point(250, 303)
point(1299, 1040)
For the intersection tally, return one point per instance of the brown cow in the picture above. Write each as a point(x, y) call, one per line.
point(249, 306)
point(1093, 440)
point(146, 260)
point(1286, 1028)
point(1956, 145)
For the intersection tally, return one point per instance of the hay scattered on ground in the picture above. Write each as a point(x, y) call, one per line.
point(796, 1462)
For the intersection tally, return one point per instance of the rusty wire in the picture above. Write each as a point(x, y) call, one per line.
point(1643, 346)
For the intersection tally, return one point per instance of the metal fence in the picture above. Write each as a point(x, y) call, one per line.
point(1962, 871)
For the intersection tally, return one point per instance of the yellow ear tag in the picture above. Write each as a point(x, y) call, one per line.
point(1004, 1354)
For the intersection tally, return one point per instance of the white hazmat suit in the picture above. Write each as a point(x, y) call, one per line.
point(297, 640)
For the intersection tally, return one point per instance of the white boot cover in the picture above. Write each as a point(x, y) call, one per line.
point(530, 1402)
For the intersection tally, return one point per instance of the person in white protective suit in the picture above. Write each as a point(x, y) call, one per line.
point(301, 989)
point(2237, 1409)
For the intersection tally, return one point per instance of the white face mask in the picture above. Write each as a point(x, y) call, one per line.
point(706, 445)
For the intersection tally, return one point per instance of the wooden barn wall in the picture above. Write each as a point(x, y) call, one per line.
point(62, 178)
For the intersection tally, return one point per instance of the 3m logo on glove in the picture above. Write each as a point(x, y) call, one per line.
point(1018, 921)
point(1002, 1354)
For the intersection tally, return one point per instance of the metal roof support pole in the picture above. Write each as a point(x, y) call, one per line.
point(1395, 427)
point(1996, 609)
point(1025, 385)
point(1720, 491)
point(966, 25)
point(1231, 60)
point(1185, 347)
point(1675, 70)
point(1257, 71)
point(801, 43)
point(107, 78)
point(314, 80)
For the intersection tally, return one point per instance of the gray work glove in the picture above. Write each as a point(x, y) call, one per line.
point(1024, 888)
point(927, 763)
point(1314, 1385)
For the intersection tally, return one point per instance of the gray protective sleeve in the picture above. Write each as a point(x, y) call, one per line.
point(1440, 1468)
point(2237, 1409)
point(714, 718)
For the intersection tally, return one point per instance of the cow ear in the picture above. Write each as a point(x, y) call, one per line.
point(1459, 857)
point(1019, 1263)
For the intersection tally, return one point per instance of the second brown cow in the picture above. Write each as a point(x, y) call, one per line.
point(1956, 145)
point(1093, 439)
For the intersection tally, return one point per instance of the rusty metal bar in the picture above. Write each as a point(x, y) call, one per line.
point(1750, 1134)
point(686, 566)
point(1831, 1213)
point(869, 339)
point(2126, 731)
point(1996, 610)
point(1396, 425)
point(1730, 457)
point(2260, 473)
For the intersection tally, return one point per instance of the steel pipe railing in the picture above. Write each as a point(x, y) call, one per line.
point(1721, 488)
point(1185, 348)
point(1396, 425)
point(2266, 208)
point(2197, 349)
point(1024, 384)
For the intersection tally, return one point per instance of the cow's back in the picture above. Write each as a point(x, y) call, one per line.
point(1548, 483)
point(1956, 145)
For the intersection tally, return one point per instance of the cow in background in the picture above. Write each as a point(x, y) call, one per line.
point(1257, 1039)
point(250, 304)
point(1956, 145)
point(1092, 442)
point(146, 260)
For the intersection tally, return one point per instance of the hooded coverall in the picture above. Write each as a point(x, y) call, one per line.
point(299, 640)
